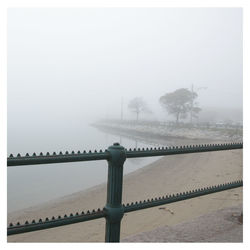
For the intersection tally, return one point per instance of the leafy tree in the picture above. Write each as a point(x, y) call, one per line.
point(179, 103)
point(137, 106)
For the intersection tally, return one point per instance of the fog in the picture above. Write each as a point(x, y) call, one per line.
point(70, 67)
point(79, 63)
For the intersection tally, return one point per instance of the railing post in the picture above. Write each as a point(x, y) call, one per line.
point(114, 210)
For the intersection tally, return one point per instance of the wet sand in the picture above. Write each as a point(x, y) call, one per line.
point(170, 174)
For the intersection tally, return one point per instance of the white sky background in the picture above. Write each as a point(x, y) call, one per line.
point(82, 61)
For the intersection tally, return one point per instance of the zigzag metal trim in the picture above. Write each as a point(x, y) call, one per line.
point(180, 196)
point(55, 154)
point(231, 144)
point(54, 222)
point(66, 220)
point(160, 151)
point(130, 153)
point(56, 158)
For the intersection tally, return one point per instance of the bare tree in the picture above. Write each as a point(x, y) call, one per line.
point(137, 106)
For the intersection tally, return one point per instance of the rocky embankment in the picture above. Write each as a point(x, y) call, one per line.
point(164, 131)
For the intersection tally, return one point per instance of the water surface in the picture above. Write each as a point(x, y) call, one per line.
point(36, 184)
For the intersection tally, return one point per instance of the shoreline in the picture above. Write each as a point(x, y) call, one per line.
point(168, 175)
point(148, 135)
point(88, 189)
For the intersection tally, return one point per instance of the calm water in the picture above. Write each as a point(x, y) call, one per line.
point(36, 184)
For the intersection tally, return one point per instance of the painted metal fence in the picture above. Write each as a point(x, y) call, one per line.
point(114, 209)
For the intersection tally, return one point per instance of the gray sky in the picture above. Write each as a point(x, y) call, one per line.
point(67, 63)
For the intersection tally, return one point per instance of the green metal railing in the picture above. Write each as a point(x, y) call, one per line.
point(114, 209)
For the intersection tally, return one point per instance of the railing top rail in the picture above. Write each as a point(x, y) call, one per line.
point(130, 153)
point(161, 151)
point(56, 158)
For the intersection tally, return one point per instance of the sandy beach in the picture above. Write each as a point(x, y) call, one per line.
point(167, 175)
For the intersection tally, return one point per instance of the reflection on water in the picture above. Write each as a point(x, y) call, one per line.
point(33, 185)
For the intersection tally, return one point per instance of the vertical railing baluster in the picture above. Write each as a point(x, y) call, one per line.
point(113, 208)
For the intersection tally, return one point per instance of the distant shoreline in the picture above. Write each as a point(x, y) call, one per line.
point(152, 134)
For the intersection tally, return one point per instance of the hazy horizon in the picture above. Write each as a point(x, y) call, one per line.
point(79, 63)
